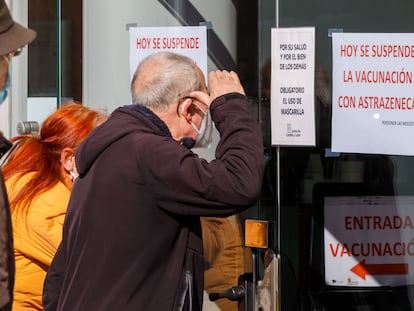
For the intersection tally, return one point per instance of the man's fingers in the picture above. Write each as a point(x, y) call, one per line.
point(201, 97)
point(223, 82)
point(220, 82)
point(235, 77)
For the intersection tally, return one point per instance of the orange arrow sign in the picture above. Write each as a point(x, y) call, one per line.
point(362, 269)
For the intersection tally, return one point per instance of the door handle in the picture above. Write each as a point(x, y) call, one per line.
point(233, 293)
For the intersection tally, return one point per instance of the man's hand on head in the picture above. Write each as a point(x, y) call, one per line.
point(221, 82)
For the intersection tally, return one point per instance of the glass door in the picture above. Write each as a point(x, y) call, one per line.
point(308, 174)
point(55, 57)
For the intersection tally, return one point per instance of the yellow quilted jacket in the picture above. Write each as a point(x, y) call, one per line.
point(37, 235)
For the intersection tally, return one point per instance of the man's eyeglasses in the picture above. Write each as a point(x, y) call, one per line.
point(195, 100)
point(16, 53)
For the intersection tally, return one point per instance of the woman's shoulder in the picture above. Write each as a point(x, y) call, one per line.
point(15, 182)
point(52, 201)
point(57, 196)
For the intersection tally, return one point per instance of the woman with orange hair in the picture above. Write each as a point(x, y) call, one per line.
point(39, 176)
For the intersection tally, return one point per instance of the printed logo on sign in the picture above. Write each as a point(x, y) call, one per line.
point(289, 128)
point(291, 132)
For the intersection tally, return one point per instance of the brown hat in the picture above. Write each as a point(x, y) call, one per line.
point(12, 34)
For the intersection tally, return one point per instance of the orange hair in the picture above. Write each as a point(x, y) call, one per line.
point(67, 127)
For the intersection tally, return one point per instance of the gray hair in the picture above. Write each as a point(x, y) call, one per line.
point(163, 78)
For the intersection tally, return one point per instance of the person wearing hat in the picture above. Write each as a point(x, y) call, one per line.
point(13, 37)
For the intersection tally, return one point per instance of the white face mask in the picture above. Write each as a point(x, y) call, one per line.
point(204, 137)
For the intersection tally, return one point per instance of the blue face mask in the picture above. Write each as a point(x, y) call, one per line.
point(4, 92)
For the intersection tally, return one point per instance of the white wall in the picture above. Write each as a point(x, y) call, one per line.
point(106, 47)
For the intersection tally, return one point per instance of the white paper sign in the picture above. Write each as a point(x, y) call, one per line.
point(292, 86)
point(369, 241)
point(373, 97)
point(190, 41)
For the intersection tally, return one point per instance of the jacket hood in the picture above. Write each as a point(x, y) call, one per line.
point(122, 121)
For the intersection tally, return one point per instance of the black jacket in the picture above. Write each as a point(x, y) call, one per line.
point(6, 251)
point(132, 235)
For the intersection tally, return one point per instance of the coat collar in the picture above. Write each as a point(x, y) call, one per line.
point(151, 116)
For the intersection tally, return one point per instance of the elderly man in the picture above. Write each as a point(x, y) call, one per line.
point(13, 37)
point(132, 238)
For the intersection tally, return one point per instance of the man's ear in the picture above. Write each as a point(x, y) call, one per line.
point(67, 158)
point(185, 109)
